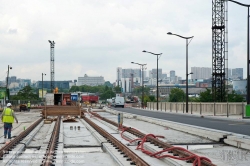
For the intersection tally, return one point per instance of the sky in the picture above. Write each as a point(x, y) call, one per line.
point(94, 37)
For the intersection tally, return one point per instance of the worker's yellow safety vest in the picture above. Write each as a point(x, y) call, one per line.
point(28, 104)
point(8, 116)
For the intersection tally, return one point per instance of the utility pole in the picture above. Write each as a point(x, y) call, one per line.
point(7, 83)
point(52, 66)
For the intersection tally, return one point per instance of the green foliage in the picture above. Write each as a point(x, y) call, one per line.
point(108, 84)
point(108, 94)
point(104, 91)
point(206, 96)
point(146, 99)
point(86, 88)
point(234, 97)
point(27, 93)
point(194, 99)
point(117, 89)
point(138, 91)
point(176, 95)
point(152, 98)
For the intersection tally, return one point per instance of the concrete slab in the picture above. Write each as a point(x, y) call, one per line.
point(220, 154)
point(78, 136)
point(88, 159)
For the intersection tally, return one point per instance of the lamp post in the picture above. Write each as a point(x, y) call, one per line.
point(157, 93)
point(42, 85)
point(187, 43)
point(142, 67)
point(248, 55)
point(7, 83)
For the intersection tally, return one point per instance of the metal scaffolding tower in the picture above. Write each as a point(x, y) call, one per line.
point(219, 50)
point(52, 66)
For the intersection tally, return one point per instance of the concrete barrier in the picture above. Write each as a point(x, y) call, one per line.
point(237, 140)
point(200, 107)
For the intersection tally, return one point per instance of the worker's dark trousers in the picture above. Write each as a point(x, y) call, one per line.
point(7, 129)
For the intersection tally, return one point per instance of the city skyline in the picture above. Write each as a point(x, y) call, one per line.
point(93, 38)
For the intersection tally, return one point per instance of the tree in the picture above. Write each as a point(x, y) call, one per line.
point(138, 91)
point(107, 83)
point(152, 98)
point(176, 95)
point(27, 93)
point(107, 95)
point(234, 97)
point(117, 89)
point(206, 96)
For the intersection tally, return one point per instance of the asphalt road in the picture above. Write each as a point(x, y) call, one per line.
point(218, 124)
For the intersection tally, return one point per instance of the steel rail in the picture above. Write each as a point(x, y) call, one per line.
point(50, 151)
point(127, 152)
point(154, 141)
point(8, 147)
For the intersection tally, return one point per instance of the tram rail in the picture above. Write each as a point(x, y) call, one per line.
point(155, 141)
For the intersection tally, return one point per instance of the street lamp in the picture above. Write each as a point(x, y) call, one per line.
point(7, 83)
point(142, 67)
point(42, 85)
point(157, 93)
point(187, 43)
point(248, 55)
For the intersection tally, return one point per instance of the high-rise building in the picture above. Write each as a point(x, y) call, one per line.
point(154, 73)
point(237, 73)
point(201, 72)
point(126, 73)
point(130, 78)
point(172, 76)
point(118, 75)
point(91, 81)
point(164, 75)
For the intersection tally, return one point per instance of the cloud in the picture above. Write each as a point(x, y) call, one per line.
point(12, 31)
point(95, 37)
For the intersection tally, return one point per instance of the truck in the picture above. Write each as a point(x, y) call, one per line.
point(119, 101)
point(89, 98)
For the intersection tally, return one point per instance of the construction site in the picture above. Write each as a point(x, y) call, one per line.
point(89, 135)
point(67, 129)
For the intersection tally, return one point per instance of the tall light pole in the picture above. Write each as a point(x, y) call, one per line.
point(142, 68)
point(7, 83)
point(42, 85)
point(248, 55)
point(187, 43)
point(52, 65)
point(157, 93)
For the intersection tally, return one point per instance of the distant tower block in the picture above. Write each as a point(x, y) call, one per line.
point(52, 66)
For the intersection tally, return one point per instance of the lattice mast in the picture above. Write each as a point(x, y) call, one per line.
point(52, 65)
point(218, 50)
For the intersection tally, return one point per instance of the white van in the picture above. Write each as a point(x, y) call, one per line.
point(119, 101)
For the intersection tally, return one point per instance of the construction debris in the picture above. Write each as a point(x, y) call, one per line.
point(69, 119)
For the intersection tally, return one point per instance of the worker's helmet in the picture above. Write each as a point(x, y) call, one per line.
point(9, 105)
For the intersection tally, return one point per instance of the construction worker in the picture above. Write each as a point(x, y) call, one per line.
point(28, 105)
point(8, 116)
